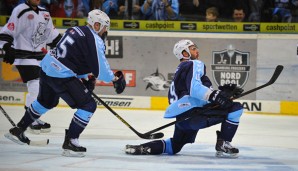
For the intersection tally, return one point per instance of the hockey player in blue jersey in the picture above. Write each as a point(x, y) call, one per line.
point(190, 92)
point(80, 51)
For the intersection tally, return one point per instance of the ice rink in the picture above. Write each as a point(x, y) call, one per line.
point(266, 143)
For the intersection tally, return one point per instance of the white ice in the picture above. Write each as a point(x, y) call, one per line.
point(266, 143)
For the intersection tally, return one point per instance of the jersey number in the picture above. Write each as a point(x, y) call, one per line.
point(62, 50)
point(173, 95)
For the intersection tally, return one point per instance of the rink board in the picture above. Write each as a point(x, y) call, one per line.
point(161, 103)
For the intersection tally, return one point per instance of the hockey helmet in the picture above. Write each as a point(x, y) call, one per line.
point(182, 45)
point(98, 16)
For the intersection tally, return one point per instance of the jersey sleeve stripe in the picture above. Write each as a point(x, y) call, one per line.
point(23, 12)
point(81, 33)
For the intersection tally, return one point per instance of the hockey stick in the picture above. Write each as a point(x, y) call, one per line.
point(274, 77)
point(37, 57)
point(144, 136)
point(31, 143)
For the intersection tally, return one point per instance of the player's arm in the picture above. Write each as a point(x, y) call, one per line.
point(54, 36)
point(101, 68)
point(7, 34)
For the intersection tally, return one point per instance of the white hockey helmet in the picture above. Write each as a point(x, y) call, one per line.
point(182, 45)
point(98, 16)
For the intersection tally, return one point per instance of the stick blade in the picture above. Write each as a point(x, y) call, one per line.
point(276, 73)
point(152, 136)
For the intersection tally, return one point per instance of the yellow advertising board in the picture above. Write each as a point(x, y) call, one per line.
point(188, 26)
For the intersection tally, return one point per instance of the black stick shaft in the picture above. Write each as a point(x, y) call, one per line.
point(7, 116)
point(118, 116)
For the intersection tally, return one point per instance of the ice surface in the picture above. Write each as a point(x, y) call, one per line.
point(266, 143)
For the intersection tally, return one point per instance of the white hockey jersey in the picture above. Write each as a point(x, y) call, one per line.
point(31, 31)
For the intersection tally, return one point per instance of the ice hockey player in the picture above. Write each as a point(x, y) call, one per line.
point(190, 92)
point(81, 51)
point(28, 30)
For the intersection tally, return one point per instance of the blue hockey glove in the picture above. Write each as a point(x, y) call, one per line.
point(90, 84)
point(220, 98)
point(9, 53)
point(120, 83)
point(231, 89)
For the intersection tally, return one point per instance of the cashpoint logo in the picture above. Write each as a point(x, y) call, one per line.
point(131, 25)
point(188, 26)
point(70, 23)
point(230, 66)
point(251, 27)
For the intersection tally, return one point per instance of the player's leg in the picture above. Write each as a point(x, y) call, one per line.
point(30, 76)
point(183, 134)
point(229, 127)
point(46, 100)
point(76, 95)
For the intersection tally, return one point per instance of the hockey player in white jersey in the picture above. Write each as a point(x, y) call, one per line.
point(28, 30)
point(80, 51)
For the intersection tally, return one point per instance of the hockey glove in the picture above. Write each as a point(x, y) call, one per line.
point(220, 98)
point(90, 84)
point(120, 83)
point(231, 89)
point(9, 53)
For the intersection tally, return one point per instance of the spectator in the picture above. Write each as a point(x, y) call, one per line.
point(255, 7)
point(278, 10)
point(212, 14)
point(110, 7)
point(238, 15)
point(66, 9)
point(130, 9)
point(96, 4)
point(6, 6)
point(189, 9)
point(160, 9)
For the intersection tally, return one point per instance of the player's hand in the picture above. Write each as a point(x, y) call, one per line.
point(119, 83)
point(220, 98)
point(231, 89)
point(9, 53)
point(90, 84)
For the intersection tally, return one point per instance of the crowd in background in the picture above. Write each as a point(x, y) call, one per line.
point(180, 10)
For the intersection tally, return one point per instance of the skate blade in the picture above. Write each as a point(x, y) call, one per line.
point(221, 154)
point(13, 138)
point(45, 130)
point(70, 153)
point(34, 131)
point(129, 150)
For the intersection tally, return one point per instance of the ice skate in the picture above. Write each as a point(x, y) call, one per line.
point(72, 148)
point(17, 135)
point(224, 149)
point(137, 150)
point(39, 126)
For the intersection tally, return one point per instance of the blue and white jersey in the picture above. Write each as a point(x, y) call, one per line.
point(79, 52)
point(190, 88)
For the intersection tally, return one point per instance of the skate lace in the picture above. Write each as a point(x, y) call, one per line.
point(75, 142)
point(40, 121)
point(227, 145)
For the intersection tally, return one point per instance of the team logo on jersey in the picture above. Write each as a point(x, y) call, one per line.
point(230, 66)
point(39, 36)
point(10, 26)
point(156, 82)
point(30, 16)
